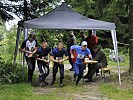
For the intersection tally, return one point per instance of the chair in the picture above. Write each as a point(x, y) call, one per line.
point(104, 71)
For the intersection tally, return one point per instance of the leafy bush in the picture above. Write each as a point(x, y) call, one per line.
point(107, 52)
point(10, 73)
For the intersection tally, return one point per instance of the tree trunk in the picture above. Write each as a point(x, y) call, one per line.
point(131, 35)
point(25, 10)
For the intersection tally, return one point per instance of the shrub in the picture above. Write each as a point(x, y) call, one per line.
point(10, 73)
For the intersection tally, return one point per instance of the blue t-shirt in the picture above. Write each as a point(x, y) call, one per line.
point(80, 54)
point(59, 54)
point(43, 52)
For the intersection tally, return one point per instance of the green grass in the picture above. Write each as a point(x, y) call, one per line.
point(116, 93)
point(24, 91)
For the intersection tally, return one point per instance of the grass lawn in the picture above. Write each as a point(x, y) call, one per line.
point(116, 93)
point(23, 91)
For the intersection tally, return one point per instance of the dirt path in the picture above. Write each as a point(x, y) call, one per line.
point(91, 91)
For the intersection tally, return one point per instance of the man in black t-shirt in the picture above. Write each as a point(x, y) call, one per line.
point(29, 47)
point(43, 62)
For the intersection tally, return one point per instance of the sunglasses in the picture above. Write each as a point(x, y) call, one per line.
point(84, 45)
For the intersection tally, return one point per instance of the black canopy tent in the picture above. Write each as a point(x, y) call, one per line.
point(64, 18)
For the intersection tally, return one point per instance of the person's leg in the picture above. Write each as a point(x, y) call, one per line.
point(93, 68)
point(75, 71)
point(71, 63)
point(61, 67)
point(55, 70)
point(86, 76)
point(97, 72)
point(41, 72)
point(46, 73)
point(31, 67)
point(80, 75)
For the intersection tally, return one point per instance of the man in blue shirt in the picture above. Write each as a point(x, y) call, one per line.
point(29, 47)
point(57, 57)
point(81, 52)
point(43, 62)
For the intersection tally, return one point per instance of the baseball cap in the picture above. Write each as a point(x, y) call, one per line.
point(84, 43)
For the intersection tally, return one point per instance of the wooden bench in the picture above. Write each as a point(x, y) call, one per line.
point(104, 71)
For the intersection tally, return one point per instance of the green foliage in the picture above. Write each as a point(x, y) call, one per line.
point(51, 36)
point(8, 44)
point(24, 9)
point(115, 11)
point(54, 36)
point(10, 73)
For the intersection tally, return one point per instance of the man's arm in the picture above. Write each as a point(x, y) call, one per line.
point(23, 46)
point(52, 59)
point(98, 56)
point(71, 50)
point(62, 60)
point(89, 54)
point(42, 60)
point(26, 51)
point(35, 50)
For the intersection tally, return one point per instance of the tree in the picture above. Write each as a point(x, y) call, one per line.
point(131, 35)
point(25, 9)
point(115, 11)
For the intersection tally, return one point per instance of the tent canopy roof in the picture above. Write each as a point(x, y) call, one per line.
point(63, 17)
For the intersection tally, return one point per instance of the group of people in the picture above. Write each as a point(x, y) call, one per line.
point(74, 53)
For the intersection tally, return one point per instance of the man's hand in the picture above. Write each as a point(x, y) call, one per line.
point(29, 52)
point(72, 56)
point(46, 61)
point(61, 61)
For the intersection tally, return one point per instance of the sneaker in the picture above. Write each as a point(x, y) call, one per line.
point(97, 74)
point(61, 85)
point(74, 80)
point(52, 83)
point(85, 77)
point(41, 84)
point(77, 83)
point(71, 69)
point(45, 82)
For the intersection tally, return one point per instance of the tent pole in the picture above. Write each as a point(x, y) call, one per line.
point(113, 33)
point(25, 37)
point(25, 33)
point(17, 43)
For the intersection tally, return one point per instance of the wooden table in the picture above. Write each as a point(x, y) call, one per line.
point(87, 61)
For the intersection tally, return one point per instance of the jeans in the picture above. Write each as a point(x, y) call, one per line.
point(78, 69)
